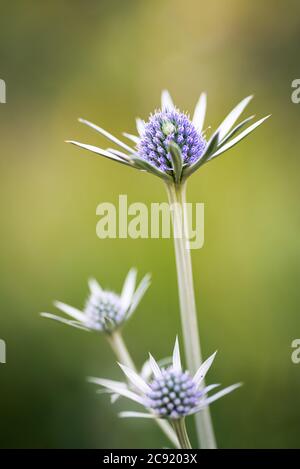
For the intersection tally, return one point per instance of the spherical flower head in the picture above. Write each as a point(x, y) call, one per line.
point(171, 394)
point(174, 394)
point(168, 126)
point(103, 311)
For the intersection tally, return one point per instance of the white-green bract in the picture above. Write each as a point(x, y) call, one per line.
point(171, 393)
point(104, 311)
point(170, 144)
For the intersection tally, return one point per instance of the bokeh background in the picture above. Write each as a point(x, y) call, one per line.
point(108, 61)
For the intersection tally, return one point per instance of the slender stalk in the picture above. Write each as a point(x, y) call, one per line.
point(176, 196)
point(180, 430)
point(119, 348)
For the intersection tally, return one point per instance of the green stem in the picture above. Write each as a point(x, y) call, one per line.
point(180, 430)
point(176, 196)
point(119, 348)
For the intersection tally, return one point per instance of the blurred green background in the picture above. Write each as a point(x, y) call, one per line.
point(108, 61)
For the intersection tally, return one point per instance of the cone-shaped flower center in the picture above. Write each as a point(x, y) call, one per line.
point(104, 311)
point(173, 395)
point(164, 127)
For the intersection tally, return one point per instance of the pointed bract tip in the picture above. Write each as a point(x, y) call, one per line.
point(91, 379)
point(44, 315)
point(151, 356)
point(73, 142)
point(57, 303)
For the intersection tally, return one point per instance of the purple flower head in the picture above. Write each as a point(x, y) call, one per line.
point(172, 146)
point(163, 128)
point(174, 394)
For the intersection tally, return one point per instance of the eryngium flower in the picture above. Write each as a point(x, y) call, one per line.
point(171, 393)
point(104, 311)
point(170, 144)
point(163, 128)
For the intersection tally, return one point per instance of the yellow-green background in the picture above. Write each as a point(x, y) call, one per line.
point(108, 61)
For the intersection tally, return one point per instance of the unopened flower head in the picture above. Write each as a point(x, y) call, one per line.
point(172, 146)
point(105, 311)
point(171, 393)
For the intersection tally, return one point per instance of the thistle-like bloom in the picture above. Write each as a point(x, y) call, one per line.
point(105, 311)
point(171, 393)
point(171, 145)
point(163, 129)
